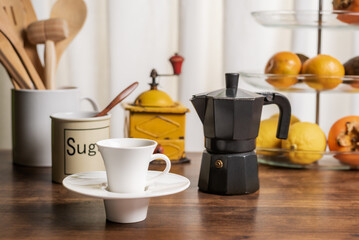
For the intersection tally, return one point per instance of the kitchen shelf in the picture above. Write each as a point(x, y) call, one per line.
point(350, 83)
point(327, 160)
point(306, 19)
point(318, 20)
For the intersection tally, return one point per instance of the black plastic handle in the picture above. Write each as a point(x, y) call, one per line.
point(285, 112)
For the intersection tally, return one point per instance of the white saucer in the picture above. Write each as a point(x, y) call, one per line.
point(94, 184)
point(125, 207)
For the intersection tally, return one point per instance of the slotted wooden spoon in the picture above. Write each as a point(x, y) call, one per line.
point(13, 65)
point(74, 12)
point(21, 13)
point(8, 31)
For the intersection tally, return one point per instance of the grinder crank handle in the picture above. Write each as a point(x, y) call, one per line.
point(284, 112)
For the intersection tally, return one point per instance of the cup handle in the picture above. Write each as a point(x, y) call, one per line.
point(92, 102)
point(164, 172)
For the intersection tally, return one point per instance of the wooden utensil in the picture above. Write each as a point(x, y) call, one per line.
point(13, 65)
point(16, 14)
point(11, 71)
point(21, 13)
point(48, 32)
point(16, 86)
point(74, 12)
point(7, 30)
point(118, 99)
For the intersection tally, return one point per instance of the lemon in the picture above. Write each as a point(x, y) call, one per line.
point(305, 136)
point(293, 119)
point(267, 136)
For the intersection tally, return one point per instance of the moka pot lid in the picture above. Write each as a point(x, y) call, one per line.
point(231, 92)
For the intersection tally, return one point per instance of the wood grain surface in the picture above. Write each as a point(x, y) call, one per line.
point(291, 204)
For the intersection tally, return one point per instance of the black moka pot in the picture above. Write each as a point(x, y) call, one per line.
point(231, 119)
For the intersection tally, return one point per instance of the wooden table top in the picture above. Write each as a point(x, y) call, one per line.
point(291, 204)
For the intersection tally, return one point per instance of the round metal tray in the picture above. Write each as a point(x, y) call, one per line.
point(350, 83)
point(328, 160)
point(308, 18)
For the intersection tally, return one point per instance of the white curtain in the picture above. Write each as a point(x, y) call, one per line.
point(123, 40)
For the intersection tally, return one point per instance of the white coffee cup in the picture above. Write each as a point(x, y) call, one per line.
point(31, 124)
point(126, 162)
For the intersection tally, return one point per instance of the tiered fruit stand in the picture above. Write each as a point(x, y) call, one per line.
point(350, 84)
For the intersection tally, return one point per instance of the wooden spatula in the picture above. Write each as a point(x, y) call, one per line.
point(13, 65)
point(74, 12)
point(8, 31)
point(21, 13)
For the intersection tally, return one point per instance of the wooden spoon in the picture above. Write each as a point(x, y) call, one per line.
point(74, 12)
point(118, 99)
point(21, 13)
point(13, 65)
point(8, 31)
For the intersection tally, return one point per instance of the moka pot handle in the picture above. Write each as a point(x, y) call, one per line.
point(284, 112)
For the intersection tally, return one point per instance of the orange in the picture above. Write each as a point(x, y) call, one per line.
point(322, 66)
point(344, 137)
point(286, 63)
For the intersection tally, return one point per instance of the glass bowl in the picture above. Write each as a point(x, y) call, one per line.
point(308, 18)
point(303, 82)
point(329, 160)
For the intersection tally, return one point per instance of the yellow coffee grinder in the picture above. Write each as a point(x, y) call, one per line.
point(154, 115)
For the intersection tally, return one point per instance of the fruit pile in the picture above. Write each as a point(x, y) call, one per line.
point(324, 72)
point(306, 141)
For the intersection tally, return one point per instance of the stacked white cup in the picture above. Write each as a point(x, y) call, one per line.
point(126, 162)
